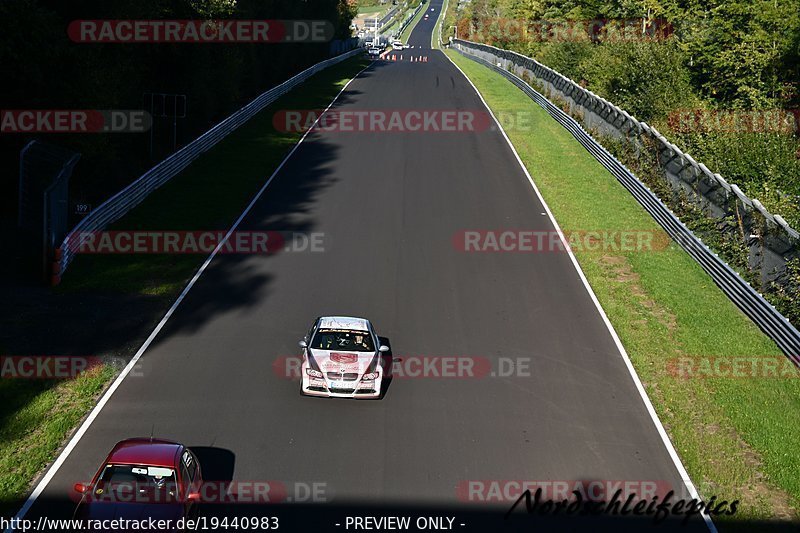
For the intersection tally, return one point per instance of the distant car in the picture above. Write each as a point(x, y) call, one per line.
point(374, 51)
point(143, 478)
point(368, 44)
point(343, 357)
point(398, 45)
point(425, 17)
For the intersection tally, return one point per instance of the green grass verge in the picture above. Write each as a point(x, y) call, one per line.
point(737, 437)
point(367, 7)
point(208, 195)
point(369, 10)
point(391, 28)
point(36, 416)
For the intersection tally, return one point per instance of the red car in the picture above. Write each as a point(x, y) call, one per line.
point(143, 478)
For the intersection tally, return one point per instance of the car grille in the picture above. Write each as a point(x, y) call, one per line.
point(341, 391)
point(347, 376)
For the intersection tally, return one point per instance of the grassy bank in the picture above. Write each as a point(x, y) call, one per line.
point(737, 437)
point(36, 416)
point(370, 7)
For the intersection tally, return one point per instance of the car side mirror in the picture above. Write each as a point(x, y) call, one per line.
point(80, 488)
point(383, 348)
point(303, 344)
point(193, 497)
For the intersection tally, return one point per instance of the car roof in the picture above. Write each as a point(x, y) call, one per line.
point(343, 322)
point(145, 451)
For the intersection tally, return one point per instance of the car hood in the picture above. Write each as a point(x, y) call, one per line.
point(338, 361)
point(130, 511)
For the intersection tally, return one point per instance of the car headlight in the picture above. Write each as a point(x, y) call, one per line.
point(313, 373)
point(372, 376)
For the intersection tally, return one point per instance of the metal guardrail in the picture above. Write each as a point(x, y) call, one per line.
point(758, 309)
point(383, 37)
point(132, 195)
point(442, 16)
point(409, 19)
point(772, 243)
point(388, 17)
point(381, 23)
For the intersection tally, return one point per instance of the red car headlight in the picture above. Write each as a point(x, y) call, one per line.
point(313, 373)
point(372, 376)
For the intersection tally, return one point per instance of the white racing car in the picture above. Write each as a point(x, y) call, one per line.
point(343, 358)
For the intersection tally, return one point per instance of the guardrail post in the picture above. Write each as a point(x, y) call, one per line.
point(55, 269)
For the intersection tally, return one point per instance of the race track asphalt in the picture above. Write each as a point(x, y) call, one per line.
point(389, 208)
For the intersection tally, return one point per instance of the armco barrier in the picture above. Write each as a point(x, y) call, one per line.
point(775, 325)
point(132, 195)
point(408, 20)
point(773, 241)
point(442, 17)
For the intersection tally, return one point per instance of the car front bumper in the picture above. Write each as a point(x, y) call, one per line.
point(322, 387)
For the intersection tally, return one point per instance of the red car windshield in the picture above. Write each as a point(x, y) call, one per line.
point(136, 484)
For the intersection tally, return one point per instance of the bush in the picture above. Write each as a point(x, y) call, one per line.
point(647, 79)
point(763, 165)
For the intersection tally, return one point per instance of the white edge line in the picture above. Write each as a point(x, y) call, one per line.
point(653, 415)
point(51, 472)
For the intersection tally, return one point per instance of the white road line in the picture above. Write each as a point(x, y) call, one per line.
point(51, 472)
point(648, 405)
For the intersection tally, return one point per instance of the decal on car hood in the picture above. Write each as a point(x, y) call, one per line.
point(335, 361)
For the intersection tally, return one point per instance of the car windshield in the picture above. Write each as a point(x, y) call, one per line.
point(136, 484)
point(345, 340)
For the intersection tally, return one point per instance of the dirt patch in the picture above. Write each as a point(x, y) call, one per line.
point(622, 272)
